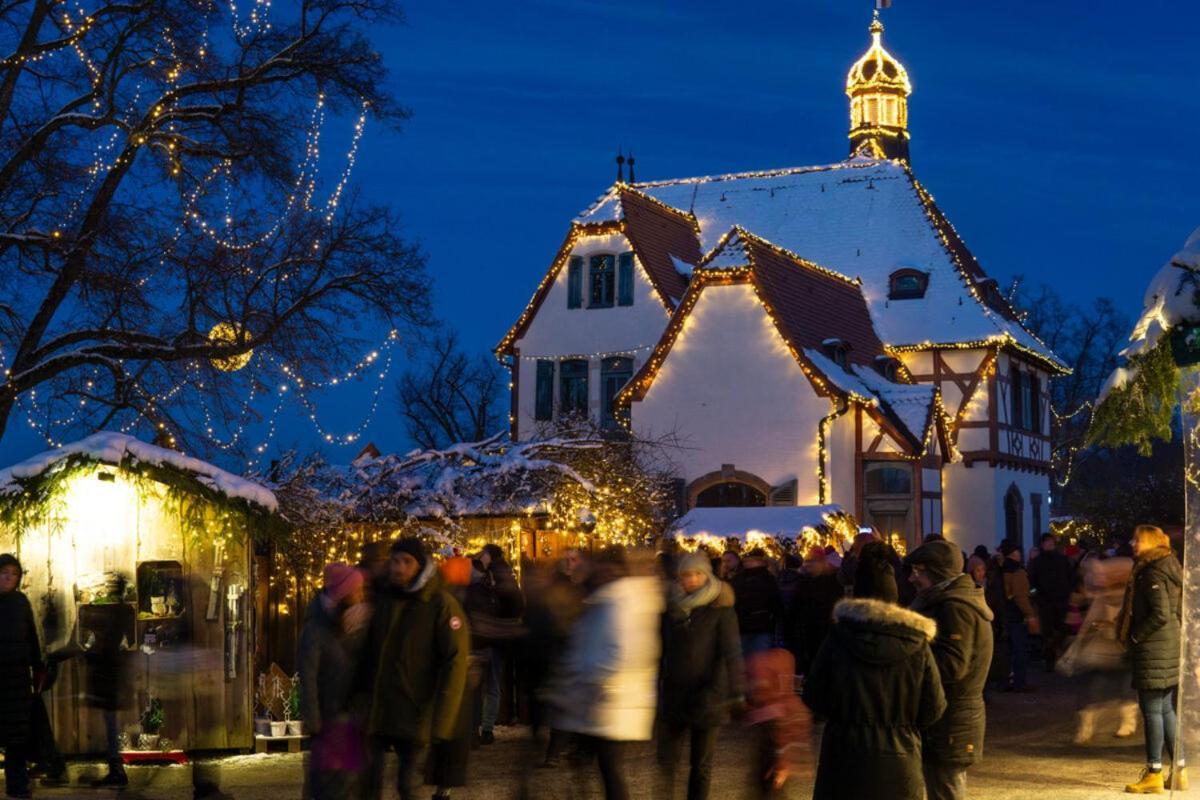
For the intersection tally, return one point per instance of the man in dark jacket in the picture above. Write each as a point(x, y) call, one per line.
point(963, 652)
point(756, 602)
point(416, 662)
point(702, 672)
point(503, 603)
point(20, 662)
point(1052, 578)
point(812, 607)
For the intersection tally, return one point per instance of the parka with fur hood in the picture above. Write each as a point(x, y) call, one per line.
point(875, 681)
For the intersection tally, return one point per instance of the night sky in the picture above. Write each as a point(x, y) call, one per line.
point(1060, 138)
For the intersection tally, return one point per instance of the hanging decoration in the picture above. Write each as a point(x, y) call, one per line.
point(229, 333)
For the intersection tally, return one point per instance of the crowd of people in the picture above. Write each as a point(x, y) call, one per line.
point(894, 656)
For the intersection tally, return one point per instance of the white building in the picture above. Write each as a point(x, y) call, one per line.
point(812, 335)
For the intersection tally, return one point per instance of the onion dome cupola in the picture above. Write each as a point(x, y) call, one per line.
point(878, 88)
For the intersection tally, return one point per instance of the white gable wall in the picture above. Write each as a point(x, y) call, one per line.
point(973, 503)
point(557, 332)
point(733, 394)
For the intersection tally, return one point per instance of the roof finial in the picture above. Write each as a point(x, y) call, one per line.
point(876, 26)
point(631, 180)
point(620, 167)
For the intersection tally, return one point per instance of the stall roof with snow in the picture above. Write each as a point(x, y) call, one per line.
point(783, 525)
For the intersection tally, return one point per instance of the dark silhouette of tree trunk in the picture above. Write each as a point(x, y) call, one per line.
point(158, 178)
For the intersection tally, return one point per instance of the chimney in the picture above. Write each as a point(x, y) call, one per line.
point(620, 167)
point(631, 180)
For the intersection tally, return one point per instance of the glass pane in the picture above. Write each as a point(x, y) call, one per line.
point(730, 495)
point(888, 479)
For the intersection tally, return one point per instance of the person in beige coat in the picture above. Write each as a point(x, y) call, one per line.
point(1095, 656)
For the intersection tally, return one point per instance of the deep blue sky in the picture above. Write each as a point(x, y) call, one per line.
point(1058, 137)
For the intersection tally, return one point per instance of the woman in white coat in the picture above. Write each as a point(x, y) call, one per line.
point(605, 692)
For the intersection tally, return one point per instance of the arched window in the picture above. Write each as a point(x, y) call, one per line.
point(730, 494)
point(907, 284)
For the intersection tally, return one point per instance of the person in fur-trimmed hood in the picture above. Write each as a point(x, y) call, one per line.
point(702, 672)
point(876, 683)
point(963, 652)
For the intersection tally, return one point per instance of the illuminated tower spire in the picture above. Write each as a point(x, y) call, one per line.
point(878, 88)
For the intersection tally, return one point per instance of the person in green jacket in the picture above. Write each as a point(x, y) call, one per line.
point(416, 663)
point(1150, 627)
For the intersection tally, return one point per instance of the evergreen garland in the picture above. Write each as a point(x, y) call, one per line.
point(1142, 409)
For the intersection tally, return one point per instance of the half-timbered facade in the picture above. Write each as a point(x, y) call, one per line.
point(808, 335)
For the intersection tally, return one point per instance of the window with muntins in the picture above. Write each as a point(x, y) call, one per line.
point(602, 275)
point(544, 392)
point(614, 374)
point(573, 386)
point(730, 495)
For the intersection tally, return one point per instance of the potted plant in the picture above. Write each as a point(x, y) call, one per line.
point(152, 720)
point(295, 726)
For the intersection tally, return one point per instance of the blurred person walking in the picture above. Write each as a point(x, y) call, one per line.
point(106, 689)
point(1052, 579)
point(21, 668)
point(605, 691)
point(415, 660)
point(876, 683)
point(963, 652)
point(498, 621)
point(777, 719)
point(812, 605)
point(1020, 617)
point(327, 654)
point(1095, 655)
point(757, 602)
point(1150, 626)
point(702, 673)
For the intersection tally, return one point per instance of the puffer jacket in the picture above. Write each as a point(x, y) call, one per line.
point(963, 652)
point(702, 672)
point(876, 682)
point(607, 686)
point(1154, 625)
point(20, 656)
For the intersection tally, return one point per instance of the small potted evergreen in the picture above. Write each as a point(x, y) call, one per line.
point(152, 720)
point(291, 710)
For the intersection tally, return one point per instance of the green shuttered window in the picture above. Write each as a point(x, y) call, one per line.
point(544, 392)
point(625, 279)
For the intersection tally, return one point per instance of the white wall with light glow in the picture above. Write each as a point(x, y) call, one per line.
point(732, 392)
point(557, 332)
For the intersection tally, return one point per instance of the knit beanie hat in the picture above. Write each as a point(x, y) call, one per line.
point(341, 580)
point(414, 547)
point(695, 562)
point(941, 559)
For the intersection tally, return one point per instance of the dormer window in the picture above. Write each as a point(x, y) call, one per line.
point(837, 351)
point(907, 284)
point(888, 367)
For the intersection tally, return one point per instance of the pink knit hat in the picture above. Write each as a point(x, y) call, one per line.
point(341, 580)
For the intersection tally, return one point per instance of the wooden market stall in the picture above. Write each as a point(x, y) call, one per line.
point(113, 531)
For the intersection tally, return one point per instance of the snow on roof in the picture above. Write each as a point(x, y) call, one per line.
point(913, 404)
point(683, 267)
point(116, 449)
point(782, 522)
point(860, 218)
point(908, 404)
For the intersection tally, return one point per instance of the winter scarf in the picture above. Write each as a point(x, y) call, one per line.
point(682, 604)
point(1125, 620)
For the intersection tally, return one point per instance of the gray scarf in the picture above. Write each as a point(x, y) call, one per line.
point(683, 604)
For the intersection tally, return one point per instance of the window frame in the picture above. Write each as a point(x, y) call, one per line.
point(606, 297)
point(922, 279)
point(569, 370)
point(611, 369)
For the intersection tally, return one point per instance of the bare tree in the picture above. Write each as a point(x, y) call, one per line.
point(451, 397)
point(159, 208)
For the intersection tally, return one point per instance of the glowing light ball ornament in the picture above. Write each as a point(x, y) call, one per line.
point(229, 333)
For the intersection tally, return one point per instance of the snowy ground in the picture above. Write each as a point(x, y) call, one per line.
point(1029, 754)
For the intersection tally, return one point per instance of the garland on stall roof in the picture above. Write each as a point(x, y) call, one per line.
point(1143, 408)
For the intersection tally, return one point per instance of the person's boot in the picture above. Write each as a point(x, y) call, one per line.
point(1178, 779)
point(1129, 718)
point(1087, 726)
point(1150, 783)
point(115, 779)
